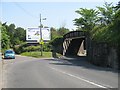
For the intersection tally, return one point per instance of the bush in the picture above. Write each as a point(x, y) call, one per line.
point(46, 47)
point(57, 45)
point(57, 41)
point(24, 47)
point(20, 48)
point(37, 54)
point(32, 48)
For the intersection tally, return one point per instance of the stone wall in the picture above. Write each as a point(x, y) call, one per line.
point(104, 55)
point(113, 58)
point(98, 54)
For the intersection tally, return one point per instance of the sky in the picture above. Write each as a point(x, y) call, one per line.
point(60, 13)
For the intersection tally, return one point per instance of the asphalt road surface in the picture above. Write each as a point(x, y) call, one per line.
point(27, 72)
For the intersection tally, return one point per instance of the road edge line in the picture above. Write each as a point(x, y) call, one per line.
point(101, 86)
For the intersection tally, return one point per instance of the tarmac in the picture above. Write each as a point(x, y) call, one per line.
point(75, 61)
point(1, 74)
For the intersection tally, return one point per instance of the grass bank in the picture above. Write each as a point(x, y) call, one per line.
point(37, 54)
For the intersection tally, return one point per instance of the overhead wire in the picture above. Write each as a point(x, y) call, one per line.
point(23, 9)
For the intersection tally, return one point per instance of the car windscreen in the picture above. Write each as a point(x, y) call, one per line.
point(9, 52)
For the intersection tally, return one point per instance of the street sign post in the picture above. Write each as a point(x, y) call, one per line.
point(41, 42)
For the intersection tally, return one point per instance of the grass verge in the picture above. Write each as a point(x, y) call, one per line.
point(37, 54)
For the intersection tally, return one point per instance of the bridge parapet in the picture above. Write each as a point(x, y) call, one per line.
point(75, 34)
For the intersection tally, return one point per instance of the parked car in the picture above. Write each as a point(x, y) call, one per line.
point(9, 54)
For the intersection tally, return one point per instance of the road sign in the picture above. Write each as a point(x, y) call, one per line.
point(41, 42)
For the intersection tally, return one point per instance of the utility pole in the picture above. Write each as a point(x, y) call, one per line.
point(41, 37)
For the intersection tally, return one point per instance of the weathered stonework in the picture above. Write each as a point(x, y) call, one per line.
point(104, 55)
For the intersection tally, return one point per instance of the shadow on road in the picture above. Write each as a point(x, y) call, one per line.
point(80, 62)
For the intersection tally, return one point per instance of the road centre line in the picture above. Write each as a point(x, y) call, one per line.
point(101, 86)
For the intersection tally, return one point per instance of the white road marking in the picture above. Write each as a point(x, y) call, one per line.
point(101, 86)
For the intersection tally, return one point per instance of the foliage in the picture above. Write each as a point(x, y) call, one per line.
point(24, 47)
point(20, 48)
point(13, 37)
point(37, 54)
point(46, 47)
point(99, 36)
point(62, 31)
point(87, 20)
point(21, 34)
point(57, 45)
point(57, 41)
point(106, 13)
point(111, 32)
point(16, 35)
point(55, 33)
point(104, 28)
point(5, 41)
point(10, 32)
point(31, 48)
point(102, 24)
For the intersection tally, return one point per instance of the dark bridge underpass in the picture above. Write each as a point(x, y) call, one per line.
point(74, 44)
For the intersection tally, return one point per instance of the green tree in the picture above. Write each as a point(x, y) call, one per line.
point(117, 7)
point(11, 36)
point(10, 32)
point(115, 26)
point(53, 33)
point(57, 44)
point(20, 33)
point(106, 13)
point(5, 41)
point(62, 31)
point(108, 30)
point(57, 39)
point(87, 20)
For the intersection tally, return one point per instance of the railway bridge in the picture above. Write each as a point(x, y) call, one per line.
point(75, 43)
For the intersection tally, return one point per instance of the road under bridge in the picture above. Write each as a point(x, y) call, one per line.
point(75, 44)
